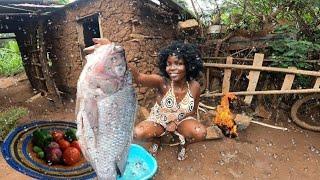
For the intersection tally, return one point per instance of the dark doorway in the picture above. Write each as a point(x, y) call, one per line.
point(91, 29)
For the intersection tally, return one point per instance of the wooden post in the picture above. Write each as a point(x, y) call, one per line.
point(317, 83)
point(81, 45)
point(226, 77)
point(288, 80)
point(208, 79)
point(51, 86)
point(254, 76)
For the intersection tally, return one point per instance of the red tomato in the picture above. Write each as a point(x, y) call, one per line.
point(64, 144)
point(57, 135)
point(71, 156)
point(76, 145)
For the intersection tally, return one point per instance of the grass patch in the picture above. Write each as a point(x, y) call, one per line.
point(10, 59)
point(9, 118)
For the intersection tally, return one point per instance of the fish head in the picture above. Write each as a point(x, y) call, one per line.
point(107, 68)
point(111, 61)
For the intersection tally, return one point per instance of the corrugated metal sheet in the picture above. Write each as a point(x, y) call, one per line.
point(20, 7)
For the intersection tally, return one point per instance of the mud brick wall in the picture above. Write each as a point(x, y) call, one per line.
point(127, 22)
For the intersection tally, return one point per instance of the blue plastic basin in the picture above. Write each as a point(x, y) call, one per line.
point(141, 165)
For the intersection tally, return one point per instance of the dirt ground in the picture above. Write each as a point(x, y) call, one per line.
point(258, 153)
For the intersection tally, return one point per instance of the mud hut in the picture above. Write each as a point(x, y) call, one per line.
point(51, 37)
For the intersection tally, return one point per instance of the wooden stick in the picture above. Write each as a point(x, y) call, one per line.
point(263, 68)
point(241, 93)
point(208, 94)
point(270, 126)
point(265, 60)
point(206, 106)
point(201, 109)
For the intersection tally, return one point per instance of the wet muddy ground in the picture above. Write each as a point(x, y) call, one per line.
point(258, 153)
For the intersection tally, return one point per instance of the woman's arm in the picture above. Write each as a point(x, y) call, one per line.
point(148, 80)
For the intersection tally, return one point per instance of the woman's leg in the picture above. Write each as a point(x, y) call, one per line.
point(193, 131)
point(148, 130)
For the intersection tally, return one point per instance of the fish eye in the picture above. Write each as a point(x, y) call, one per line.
point(113, 59)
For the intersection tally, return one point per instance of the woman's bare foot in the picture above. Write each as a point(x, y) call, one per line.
point(182, 153)
point(154, 147)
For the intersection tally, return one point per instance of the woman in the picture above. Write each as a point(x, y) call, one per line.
point(178, 95)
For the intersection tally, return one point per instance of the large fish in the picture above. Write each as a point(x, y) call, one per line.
point(105, 110)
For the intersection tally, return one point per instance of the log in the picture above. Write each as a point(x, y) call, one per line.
point(263, 68)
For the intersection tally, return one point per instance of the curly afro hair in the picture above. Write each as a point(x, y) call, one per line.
point(185, 51)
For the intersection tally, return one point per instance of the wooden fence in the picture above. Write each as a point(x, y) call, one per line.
point(253, 77)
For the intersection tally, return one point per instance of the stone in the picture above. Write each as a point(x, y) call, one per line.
point(242, 121)
point(214, 132)
point(261, 111)
point(188, 24)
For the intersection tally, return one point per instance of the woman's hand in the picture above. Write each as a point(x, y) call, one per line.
point(97, 42)
point(171, 126)
point(101, 41)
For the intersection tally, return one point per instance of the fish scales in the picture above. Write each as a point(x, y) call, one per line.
point(106, 106)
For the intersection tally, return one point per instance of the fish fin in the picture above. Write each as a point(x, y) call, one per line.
point(121, 160)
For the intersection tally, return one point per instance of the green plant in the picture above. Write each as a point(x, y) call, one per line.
point(289, 52)
point(63, 1)
point(10, 59)
point(9, 118)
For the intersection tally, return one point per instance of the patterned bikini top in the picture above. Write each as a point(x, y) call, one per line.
point(159, 113)
point(169, 101)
